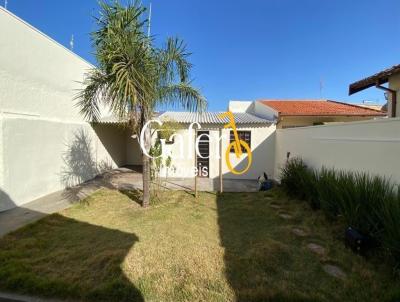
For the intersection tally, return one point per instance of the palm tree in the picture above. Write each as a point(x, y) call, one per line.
point(133, 76)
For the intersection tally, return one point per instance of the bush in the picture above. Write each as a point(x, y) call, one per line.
point(370, 204)
point(328, 191)
point(292, 178)
point(360, 196)
point(389, 211)
point(300, 181)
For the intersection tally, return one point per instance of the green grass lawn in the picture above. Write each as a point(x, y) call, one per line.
point(229, 247)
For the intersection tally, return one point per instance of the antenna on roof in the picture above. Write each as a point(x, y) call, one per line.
point(148, 28)
point(71, 42)
point(321, 87)
point(5, 4)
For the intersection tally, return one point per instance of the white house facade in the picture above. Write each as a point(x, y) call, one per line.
point(213, 144)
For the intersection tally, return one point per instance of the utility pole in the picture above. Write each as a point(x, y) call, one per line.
point(321, 87)
point(5, 4)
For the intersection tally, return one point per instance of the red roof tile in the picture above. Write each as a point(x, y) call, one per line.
point(319, 107)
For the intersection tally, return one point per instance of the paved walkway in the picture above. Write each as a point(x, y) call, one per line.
point(119, 179)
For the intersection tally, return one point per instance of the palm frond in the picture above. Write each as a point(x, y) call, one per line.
point(90, 97)
point(182, 94)
point(174, 61)
point(133, 76)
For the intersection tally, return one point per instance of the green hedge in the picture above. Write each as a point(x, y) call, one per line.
point(368, 203)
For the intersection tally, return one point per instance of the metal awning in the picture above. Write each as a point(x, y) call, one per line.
point(212, 118)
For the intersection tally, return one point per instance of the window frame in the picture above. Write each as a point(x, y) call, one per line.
point(242, 136)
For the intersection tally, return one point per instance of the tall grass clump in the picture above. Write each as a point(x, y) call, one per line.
point(359, 197)
point(370, 204)
point(327, 188)
point(299, 181)
point(291, 176)
point(390, 214)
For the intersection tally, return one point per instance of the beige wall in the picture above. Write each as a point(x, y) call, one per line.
point(263, 152)
point(133, 151)
point(262, 145)
point(111, 140)
point(42, 156)
point(370, 146)
point(44, 142)
point(394, 83)
point(302, 121)
point(240, 106)
point(266, 112)
point(257, 108)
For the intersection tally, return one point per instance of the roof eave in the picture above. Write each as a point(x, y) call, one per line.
point(366, 83)
point(379, 78)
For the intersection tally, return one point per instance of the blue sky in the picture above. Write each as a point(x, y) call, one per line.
point(246, 50)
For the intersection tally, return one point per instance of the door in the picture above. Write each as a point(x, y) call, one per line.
point(203, 164)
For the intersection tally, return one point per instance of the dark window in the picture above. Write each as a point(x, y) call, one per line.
point(244, 136)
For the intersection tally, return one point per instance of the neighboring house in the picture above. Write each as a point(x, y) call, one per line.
point(391, 76)
point(301, 113)
point(373, 106)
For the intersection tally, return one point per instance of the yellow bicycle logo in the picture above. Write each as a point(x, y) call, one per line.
point(236, 145)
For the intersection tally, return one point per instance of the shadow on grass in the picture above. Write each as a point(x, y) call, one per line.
point(65, 258)
point(134, 195)
point(253, 260)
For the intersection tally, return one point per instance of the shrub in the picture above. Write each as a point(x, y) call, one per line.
point(310, 186)
point(291, 178)
point(389, 211)
point(300, 181)
point(328, 190)
point(370, 204)
point(360, 196)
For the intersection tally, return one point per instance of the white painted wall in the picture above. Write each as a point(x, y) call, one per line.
point(394, 83)
point(133, 151)
point(266, 112)
point(240, 106)
point(262, 146)
point(256, 108)
point(370, 146)
point(263, 152)
point(42, 134)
